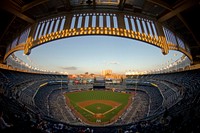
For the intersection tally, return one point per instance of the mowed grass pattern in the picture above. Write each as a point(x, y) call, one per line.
point(76, 97)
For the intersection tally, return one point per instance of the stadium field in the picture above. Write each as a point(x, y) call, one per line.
point(98, 107)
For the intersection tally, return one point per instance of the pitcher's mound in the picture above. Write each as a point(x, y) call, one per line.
point(98, 108)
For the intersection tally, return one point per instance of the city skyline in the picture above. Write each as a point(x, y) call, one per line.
point(93, 54)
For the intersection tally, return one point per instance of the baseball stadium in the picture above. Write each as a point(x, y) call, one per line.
point(51, 53)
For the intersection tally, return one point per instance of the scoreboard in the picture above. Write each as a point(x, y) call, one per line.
point(99, 83)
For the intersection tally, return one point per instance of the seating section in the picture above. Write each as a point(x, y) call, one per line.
point(170, 103)
point(60, 111)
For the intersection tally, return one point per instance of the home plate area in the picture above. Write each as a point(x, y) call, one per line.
point(98, 108)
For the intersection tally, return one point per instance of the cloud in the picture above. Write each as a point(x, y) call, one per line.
point(111, 63)
point(70, 68)
point(114, 62)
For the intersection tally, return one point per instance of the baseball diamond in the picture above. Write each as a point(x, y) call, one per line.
point(98, 107)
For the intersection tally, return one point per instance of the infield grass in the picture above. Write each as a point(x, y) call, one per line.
point(98, 108)
point(88, 111)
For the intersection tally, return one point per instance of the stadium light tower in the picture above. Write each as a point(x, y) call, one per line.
point(61, 83)
point(136, 83)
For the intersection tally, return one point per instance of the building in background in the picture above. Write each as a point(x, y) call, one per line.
point(106, 72)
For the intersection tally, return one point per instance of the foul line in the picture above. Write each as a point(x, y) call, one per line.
point(110, 110)
point(87, 110)
point(102, 113)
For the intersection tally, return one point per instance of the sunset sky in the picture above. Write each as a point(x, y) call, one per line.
point(77, 55)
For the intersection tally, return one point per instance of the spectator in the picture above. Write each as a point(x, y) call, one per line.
point(4, 127)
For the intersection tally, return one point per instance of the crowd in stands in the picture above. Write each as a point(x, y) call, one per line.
point(180, 100)
point(137, 110)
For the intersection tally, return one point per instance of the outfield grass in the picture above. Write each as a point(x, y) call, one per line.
point(76, 97)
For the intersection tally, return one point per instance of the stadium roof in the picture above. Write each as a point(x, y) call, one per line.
point(180, 15)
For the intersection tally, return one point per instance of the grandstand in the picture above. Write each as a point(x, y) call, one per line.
point(161, 101)
point(154, 94)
